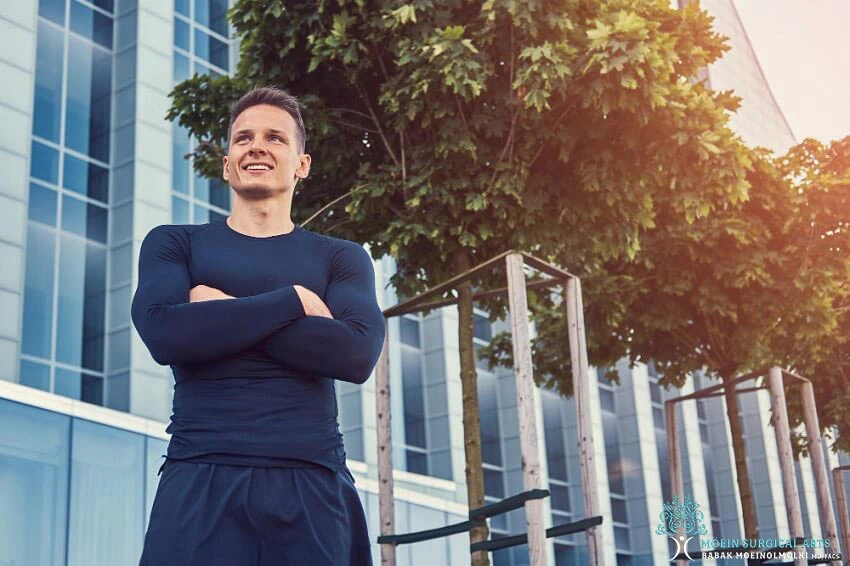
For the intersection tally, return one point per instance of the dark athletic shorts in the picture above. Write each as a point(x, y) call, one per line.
point(221, 515)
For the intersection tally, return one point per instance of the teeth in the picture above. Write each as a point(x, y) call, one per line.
point(258, 167)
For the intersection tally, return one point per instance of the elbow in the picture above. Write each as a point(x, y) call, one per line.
point(364, 362)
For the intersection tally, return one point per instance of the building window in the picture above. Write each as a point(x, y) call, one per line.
point(201, 46)
point(63, 334)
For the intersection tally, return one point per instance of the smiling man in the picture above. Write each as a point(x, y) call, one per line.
point(257, 317)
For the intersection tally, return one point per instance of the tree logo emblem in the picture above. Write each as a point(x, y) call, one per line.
point(681, 521)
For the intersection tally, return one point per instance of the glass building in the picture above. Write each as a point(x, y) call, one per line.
point(90, 166)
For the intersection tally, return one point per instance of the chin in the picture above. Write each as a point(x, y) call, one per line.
point(259, 190)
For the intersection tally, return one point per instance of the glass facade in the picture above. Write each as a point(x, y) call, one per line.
point(63, 331)
point(74, 492)
point(201, 45)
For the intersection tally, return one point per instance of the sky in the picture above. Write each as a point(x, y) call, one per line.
point(803, 47)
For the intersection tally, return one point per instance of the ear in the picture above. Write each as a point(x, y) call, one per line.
point(303, 169)
point(224, 172)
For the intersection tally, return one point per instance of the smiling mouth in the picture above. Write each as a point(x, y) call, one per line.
point(256, 168)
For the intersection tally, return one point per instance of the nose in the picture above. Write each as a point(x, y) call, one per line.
point(257, 146)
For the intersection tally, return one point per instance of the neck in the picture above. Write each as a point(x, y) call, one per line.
point(261, 218)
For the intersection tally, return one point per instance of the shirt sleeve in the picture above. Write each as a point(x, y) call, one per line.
point(345, 347)
point(177, 331)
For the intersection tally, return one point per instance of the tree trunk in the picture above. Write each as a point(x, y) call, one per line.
point(471, 420)
point(737, 431)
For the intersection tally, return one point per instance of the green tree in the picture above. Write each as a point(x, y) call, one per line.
point(762, 283)
point(453, 131)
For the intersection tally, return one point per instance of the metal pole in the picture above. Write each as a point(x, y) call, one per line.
point(786, 457)
point(385, 454)
point(528, 441)
point(584, 418)
point(843, 513)
point(810, 415)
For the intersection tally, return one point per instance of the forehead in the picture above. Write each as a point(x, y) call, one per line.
point(264, 117)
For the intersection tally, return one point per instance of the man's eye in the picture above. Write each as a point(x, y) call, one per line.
point(277, 138)
point(241, 139)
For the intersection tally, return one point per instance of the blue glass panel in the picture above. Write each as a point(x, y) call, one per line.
point(202, 187)
point(181, 67)
point(84, 219)
point(201, 214)
point(181, 34)
point(491, 451)
point(92, 389)
point(38, 290)
point(481, 327)
point(554, 435)
point(494, 486)
point(219, 193)
point(91, 24)
point(417, 462)
point(44, 163)
point(86, 178)
point(213, 14)
point(155, 449)
point(409, 331)
point(179, 164)
point(80, 311)
point(42, 204)
point(35, 375)
point(34, 455)
point(107, 496)
point(211, 49)
point(68, 383)
point(201, 69)
point(48, 81)
point(179, 210)
point(414, 403)
point(107, 5)
point(53, 10)
point(89, 102)
point(182, 7)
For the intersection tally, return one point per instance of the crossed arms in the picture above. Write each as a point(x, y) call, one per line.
point(179, 331)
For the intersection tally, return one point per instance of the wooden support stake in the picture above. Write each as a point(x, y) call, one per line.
point(528, 441)
point(674, 456)
point(786, 457)
point(816, 456)
point(584, 417)
point(385, 454)
point(843, 512)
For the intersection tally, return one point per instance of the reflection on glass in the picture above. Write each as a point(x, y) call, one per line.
point(179, 210)
point(481, 327)
point(42, 204)
point(88, 100)
point(48, 79)
point(45, 163)
point(554, 435)
point(211, 49)
point(417, 462)
point(409, 331)
point(201, 187)
point(181, 67)
point(92, 389)
point(35, 375)
point(105, 4)
point(201, 214)
point(413, 394)
point(86, 178)
point(181, 34)
point(213, 14)
point(84, 219)
point(38, 290)
point(201, 69)
point(34, 455)
point(80, 311)
point(179, 164)
point(107, 501)
point(68, 383)
point(491, 451)
point(219, 193)
point(91, 24)
point(182, 7)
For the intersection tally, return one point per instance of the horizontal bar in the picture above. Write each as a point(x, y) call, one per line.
point(419, 536)
point(516, 540)
point(509, 504)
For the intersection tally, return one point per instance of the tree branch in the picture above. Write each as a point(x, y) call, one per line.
point(327, 206)
point(377, 123)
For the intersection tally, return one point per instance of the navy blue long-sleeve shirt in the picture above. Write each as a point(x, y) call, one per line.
point(254, 376)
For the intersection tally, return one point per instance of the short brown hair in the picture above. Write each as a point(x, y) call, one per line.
point(273, 96)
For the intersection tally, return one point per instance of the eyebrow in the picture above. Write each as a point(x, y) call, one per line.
point(271, 131)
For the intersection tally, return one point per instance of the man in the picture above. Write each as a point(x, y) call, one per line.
point(257, 317)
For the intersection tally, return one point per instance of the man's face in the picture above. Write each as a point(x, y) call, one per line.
point(263, 156)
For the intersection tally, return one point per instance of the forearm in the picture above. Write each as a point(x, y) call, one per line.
point(202, 331)
point(324, 347)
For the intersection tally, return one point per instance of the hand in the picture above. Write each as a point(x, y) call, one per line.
point(200, 293)
point(313, 305)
